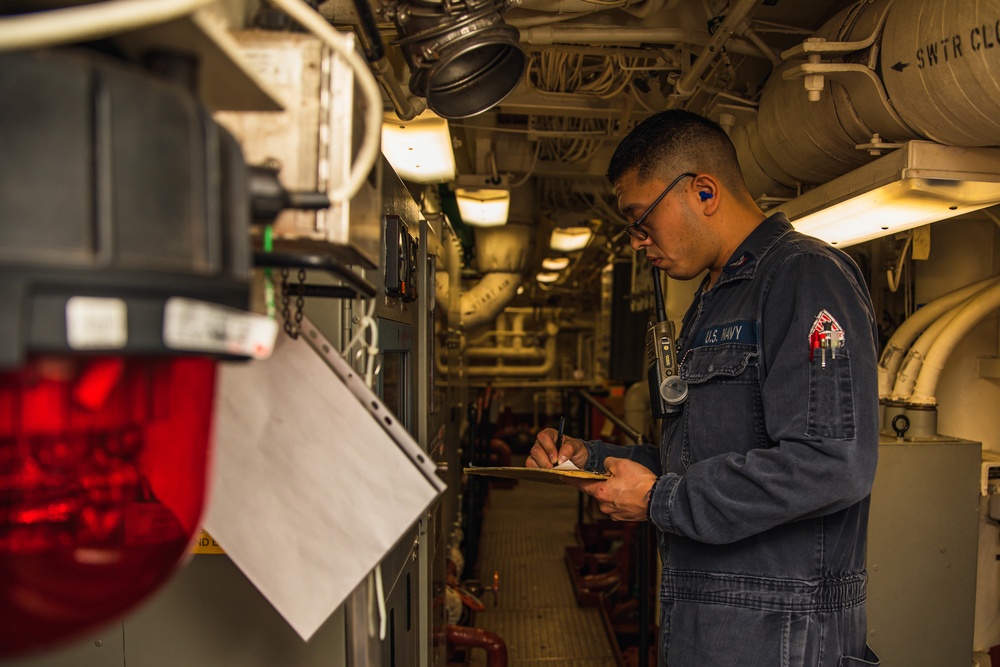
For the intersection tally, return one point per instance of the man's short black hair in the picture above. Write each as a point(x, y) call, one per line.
point(675, 141)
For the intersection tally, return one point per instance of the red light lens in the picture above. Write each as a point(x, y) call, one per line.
point(102, 484)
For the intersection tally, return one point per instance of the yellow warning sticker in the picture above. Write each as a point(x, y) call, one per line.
point(206, 544)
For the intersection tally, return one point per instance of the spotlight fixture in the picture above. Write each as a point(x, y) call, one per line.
point(555, 263)
point(419, 150)
point(483, 201)
point(463, 57)
point(547, 277)
point(570, 239)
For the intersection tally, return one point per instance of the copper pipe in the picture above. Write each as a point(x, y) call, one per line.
point(466, 637)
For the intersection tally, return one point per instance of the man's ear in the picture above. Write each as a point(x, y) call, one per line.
point(708, 190)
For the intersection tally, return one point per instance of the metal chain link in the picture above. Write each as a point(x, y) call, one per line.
point(286, 314)
point(300, 302)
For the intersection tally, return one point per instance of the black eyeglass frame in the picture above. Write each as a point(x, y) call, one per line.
point(635, 229)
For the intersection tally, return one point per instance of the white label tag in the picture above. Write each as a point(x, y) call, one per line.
point(198, 326)
point(95, 323)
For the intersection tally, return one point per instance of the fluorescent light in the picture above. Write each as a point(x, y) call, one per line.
point(547, 277)
point(918, 184)
point(483, 201)
point(555, 263)
point(419, 150)
point(570, 239)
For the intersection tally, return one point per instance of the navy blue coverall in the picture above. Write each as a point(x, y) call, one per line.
point(767, 467)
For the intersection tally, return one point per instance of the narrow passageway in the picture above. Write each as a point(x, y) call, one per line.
point(525, 532)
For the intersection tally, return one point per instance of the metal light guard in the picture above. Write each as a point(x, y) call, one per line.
point(463, 57)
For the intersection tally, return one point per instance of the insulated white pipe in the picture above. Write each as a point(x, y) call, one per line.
point(486, 299)
point(500, 369)
point(909, 371)
point(901, 340)
point(968, 317)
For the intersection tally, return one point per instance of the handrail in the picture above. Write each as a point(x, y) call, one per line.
point(612, 417)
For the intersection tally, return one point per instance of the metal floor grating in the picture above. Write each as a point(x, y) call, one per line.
point(524, 534)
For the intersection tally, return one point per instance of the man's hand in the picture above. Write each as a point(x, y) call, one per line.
point(544, 454)
point(623, 496)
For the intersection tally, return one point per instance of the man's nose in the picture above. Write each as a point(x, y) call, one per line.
point(637, 244)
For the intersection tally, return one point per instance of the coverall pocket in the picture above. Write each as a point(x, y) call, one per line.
point(869, 659)
point(723, 412)
point(831, 402)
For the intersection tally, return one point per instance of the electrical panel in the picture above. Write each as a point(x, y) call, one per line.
point(400, 260)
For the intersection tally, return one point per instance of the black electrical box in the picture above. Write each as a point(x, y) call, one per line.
point(400, 260)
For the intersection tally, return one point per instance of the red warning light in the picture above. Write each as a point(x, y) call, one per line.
point(102, 485)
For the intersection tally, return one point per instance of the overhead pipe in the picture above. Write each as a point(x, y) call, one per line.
point(500, 369)
point(735, 18)
point(602, 36)
point(924, 393)
point(643, 9)
point(515, 348)
point(899, 343)
point(798, 139)
point(919, 69)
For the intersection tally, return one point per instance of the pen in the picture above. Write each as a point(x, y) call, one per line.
point(559, 438)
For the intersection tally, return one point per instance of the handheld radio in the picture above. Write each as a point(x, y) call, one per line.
point(666, 389)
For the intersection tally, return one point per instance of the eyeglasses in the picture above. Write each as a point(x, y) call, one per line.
point(635, 229)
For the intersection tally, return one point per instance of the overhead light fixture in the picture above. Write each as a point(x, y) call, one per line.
point(917, 184)
point(483, 201)
point(570, 239)
point(464, 58)
point(419, 150)
point(546, 278)
point(555, 263)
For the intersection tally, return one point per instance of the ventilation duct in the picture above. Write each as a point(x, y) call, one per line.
point(876, 75)
point(936, 60)
point(463, 58)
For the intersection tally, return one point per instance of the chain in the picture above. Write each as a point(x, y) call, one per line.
point(293, 324)
point(300, 302)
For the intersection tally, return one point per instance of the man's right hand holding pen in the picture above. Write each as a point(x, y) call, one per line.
point(545, 453)
point(624, 496)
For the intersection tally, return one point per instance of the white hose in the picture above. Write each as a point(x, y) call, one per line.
point(968, 317)
point(907, 332)
point(370, 145)
point(88, 22)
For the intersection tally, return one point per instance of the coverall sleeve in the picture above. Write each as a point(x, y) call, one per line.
point(646, 454)
point(821, 422)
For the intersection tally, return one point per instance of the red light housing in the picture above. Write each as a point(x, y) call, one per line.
point(102, 485)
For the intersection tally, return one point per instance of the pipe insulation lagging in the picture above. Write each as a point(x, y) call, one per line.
point(506, 249)
point(940, 63)
point(901, 340)
point(487, 298)
point(971, 314)
point(812, 142)
point(796, 140)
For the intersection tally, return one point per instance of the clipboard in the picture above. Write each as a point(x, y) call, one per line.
point(549, 475)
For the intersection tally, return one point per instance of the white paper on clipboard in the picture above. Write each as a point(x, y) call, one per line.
point(310, 490)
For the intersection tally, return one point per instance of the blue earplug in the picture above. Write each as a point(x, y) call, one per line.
point(705, 195)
